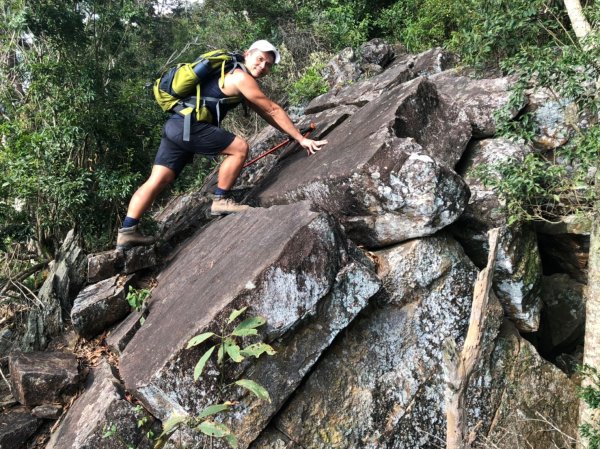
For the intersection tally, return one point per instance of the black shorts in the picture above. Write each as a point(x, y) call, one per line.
point(205, 138)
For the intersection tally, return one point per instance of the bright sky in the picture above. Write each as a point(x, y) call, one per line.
point(165, 6)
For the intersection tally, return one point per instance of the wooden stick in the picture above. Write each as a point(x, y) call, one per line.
point(459, 367)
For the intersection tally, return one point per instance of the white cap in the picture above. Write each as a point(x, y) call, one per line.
point(264, 45)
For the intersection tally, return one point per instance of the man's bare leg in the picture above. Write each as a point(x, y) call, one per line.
point(231, 167)
point(143, 198)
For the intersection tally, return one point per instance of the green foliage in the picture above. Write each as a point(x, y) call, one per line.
point(228, 346)
point(590, 394)
point(342, 24)
point(137, 298)
point(420, 24)
point(538, 188)
point(310, 85)
point(524, 128)
point(526, 186)
point(489, 31)
point(77, 124)
point(568, 70)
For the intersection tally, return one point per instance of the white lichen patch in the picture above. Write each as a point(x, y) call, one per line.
point(286, 297)
point(421, 157)
point(350, 294)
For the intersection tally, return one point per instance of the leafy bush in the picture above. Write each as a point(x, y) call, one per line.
point(310, 85)
point(340, 24)
point(420, 24)
point(489, 31)
point(538, 188)
point(78, 126)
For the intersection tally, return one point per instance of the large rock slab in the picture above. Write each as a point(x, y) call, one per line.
point(535, 404)
point(16, 427)
point(479, 98)
point(383, 174)
point(43, 377)
point(293, 268)
point(403, 69)
point(383, 378)
point(100, 305)
point(268, 138)
point(101, 408)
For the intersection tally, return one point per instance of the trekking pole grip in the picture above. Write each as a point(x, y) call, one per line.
point(310, 128)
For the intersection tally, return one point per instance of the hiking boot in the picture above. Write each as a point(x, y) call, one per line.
point(224, 206)
point(129, 237)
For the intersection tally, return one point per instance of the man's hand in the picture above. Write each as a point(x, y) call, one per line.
point(311, 146)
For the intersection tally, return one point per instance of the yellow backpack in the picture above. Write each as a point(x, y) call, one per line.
point(178, 88)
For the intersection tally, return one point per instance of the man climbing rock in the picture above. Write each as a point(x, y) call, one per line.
point(207, 138)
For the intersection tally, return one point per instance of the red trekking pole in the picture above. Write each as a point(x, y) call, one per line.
point(305, 132)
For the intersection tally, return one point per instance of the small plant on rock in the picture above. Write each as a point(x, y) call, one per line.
point(227, 346)
point(143, 422)
point(137, 298)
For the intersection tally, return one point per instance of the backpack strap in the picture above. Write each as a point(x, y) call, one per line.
point(187, 107)
point(185, 110)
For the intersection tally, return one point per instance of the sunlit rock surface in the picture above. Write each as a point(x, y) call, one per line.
point(382, 175)
point(297, 274)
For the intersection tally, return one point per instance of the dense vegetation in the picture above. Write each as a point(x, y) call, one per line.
point(79, 126)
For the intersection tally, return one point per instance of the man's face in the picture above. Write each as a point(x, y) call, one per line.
point(259, 63)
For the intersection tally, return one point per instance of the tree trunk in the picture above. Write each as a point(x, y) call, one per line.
point(578, 21)
point(591, 353)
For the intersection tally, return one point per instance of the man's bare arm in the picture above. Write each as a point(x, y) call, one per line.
point(271, 111)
